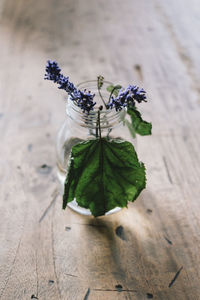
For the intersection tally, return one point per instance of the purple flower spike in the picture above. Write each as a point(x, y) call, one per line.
point(127, 97)
point(52, 71)
point(83, 99)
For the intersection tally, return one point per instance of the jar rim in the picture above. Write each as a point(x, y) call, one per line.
point(96, 109)
point(93, 112)
point(108, 118)
point(92, 80)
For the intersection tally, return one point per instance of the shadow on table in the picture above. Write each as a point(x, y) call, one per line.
point(130, 252)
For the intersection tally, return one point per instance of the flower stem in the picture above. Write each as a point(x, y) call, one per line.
point(97, 129)
point(100, 82)
point(99, 124)
point(102, 98)
point(114, 88)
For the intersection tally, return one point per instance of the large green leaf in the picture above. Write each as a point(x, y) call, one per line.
point(103, 175)
point(141, 127)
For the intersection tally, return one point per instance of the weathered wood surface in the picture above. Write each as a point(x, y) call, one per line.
point(48, 253)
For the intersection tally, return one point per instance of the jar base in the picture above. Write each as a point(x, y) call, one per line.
point(86, 212)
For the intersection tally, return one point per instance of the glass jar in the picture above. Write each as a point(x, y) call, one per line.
point(79, 126)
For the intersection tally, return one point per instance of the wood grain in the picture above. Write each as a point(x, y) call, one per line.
point(150, 250)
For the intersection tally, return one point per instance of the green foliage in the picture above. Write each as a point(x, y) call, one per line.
point(103, 175)
point(139, 125)
point(114, 89)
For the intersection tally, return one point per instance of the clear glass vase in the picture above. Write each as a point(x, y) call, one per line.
point(79, 126)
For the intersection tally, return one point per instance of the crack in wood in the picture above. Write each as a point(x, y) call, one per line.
point(87, 294)
point(114, 290)
point(36, 270)
point(169, 242)
point(67, 274)
point(120, 232)
point(119, 287)
point(44, 169)
point(11, 269)
point(149, 295)
point(53, 258)
point(167, 170)
point(67, 228)
point(91, 224)
point(175, 277)
point(54, 196)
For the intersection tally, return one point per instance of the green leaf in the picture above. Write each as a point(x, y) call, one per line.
point(103, 175)
point(114, 89)
point(140, 126)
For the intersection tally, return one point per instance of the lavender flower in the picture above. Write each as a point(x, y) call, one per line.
point(83, 99)
point(52, 71)
point(137, 93)
point(66, 85)
point(127, 97)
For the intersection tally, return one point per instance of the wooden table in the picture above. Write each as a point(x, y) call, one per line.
point(151, 250)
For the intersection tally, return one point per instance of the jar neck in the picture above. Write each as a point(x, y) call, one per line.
point(106, 118)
